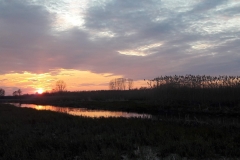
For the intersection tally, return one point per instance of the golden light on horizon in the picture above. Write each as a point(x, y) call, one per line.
point(76, 80)
point(40, 90)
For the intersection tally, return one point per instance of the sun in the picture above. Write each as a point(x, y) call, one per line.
point(40, 90)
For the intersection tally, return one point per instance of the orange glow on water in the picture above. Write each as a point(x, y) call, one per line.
point(83, 111)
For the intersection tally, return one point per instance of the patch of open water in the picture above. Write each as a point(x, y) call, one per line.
point(84, 111)
point(184, 118)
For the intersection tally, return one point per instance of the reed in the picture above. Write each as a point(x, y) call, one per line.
point(29, 134)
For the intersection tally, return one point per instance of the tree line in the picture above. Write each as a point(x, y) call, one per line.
point(121, 84)
point(15, 93)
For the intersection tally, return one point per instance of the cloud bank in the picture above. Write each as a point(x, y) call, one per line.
point(133, 38)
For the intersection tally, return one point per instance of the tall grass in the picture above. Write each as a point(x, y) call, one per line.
point(30, 134)
point(195, 81)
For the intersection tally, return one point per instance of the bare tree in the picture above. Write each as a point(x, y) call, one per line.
point(2, 92)
point(130, 84)
point(60, 86)
point(17, 93)
point(117, 84)
point(120, 84)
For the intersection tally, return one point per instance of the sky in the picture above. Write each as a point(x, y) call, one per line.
point(87, 43)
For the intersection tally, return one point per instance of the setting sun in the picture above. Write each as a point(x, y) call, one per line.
point(40, 90)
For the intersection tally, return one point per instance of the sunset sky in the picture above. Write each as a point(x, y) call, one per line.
point(86, 43)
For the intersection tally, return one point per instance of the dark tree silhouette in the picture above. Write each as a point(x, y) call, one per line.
point(17, 93)
point(2, 92)
point(60, 86)
point(130, 83)
point(121, 84)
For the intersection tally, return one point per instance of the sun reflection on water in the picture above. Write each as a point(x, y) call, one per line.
point(83, 111)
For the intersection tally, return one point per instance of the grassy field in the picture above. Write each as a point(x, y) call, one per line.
point(30, 134)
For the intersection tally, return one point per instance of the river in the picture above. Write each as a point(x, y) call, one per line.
point(183, 118)
point(84, 111)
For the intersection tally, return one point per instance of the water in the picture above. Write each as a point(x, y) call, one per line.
point(183, 118)
point(83, 111)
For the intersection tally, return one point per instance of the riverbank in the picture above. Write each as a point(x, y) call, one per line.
point(204, 101)
point(147, 107)
point(30, 134)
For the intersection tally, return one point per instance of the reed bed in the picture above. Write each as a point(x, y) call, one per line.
point(29, 134)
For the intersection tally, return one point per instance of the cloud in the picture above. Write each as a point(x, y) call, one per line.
point(3, 80)
point(135, 39)
point(92, 84)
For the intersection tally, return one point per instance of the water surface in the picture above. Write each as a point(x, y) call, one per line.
point(184, 118)
point(83, 111)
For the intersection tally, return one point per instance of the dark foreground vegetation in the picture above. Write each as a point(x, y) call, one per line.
point(30, 134)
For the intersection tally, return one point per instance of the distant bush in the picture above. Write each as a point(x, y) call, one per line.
point(2, 92)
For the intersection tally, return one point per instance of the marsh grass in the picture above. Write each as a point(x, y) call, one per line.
point(29, 134)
